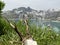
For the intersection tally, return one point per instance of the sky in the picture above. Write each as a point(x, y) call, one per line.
point(35, 4)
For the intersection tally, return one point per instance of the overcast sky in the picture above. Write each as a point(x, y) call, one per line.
point(35, 4)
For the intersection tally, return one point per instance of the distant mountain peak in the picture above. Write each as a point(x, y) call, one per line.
point(28, 9)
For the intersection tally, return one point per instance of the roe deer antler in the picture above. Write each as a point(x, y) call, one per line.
point(25, 19)
point(15, 28)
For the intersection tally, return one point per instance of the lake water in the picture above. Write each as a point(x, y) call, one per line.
point(54, 24)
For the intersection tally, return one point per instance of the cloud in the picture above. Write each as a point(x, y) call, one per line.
point(36, 4)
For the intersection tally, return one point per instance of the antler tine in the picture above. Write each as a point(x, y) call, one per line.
point(6, 19)
point(27, 27)
point(15, 28)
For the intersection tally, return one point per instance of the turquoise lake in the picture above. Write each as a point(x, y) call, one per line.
point(54, 24)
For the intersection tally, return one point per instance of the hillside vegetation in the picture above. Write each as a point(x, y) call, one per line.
point(44, 36)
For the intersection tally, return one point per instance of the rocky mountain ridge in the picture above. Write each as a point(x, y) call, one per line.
point(32, 13)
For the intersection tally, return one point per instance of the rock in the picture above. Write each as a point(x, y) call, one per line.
point(30, 42)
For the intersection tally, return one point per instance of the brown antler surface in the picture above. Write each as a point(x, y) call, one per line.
point(27, 29)
point(15, 28)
